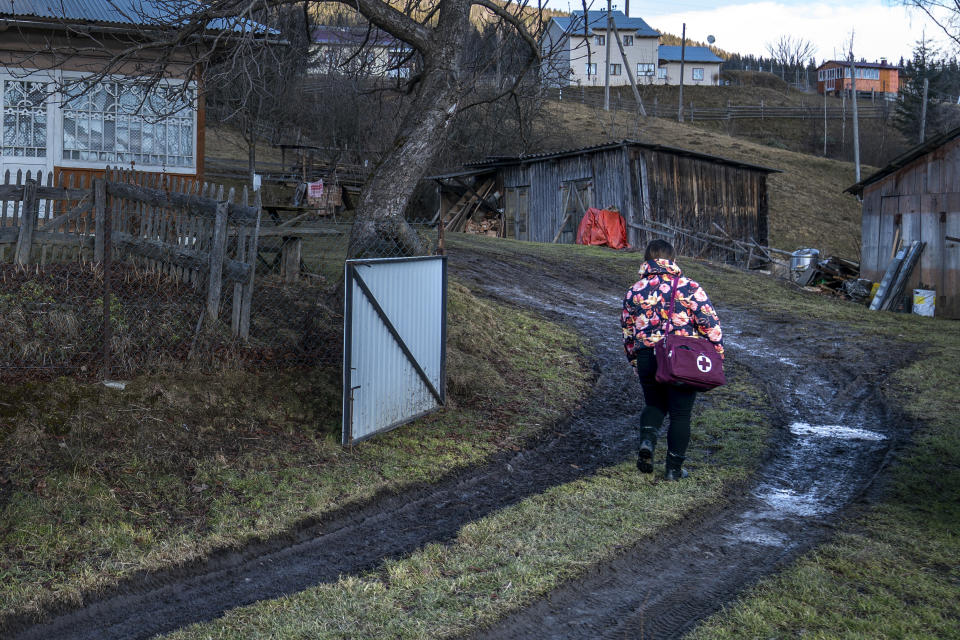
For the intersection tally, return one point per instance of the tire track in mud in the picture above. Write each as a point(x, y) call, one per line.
point(602, 433)
point(837, 436)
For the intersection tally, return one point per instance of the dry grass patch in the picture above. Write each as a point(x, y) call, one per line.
point(96, 484)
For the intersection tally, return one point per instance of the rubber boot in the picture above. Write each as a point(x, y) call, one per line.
point(675, 470)
point(648, 442)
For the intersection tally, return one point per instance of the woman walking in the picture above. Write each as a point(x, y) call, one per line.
point(643, 318)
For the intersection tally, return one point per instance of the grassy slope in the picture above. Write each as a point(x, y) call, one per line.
point(891, 573)
point(807, 203)
point(96, 484)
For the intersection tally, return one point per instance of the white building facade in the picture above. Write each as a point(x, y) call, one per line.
point(574, 53)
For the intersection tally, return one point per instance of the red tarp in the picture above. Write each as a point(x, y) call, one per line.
point(600, 227)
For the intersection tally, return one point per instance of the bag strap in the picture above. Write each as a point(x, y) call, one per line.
point(673, 295)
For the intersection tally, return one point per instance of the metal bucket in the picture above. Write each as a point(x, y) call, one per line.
point(924, 302)
point(802, 258)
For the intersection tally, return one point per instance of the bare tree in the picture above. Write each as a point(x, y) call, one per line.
point(791, 53)
point(190, 37)
point(251, 93)
point(944, 13)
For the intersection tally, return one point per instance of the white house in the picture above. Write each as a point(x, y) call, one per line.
point(56, 120)
point(575, 55)
point(700, 66)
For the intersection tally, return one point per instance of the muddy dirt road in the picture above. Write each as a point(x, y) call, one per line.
point(833, 433)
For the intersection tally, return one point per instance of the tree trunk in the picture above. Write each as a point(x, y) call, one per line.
point(380, 228)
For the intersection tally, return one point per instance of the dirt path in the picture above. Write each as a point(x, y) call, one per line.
point(662, 588)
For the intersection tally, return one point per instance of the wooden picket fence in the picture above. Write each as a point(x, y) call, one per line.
point(188, 231)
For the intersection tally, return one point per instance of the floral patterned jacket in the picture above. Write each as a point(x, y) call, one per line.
point(645, 309)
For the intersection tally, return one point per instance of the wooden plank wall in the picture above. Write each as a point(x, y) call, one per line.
point(694, 193)
point(688, 192)
point(922, 201)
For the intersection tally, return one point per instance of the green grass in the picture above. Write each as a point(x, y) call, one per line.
point(96, 484)
point(504, 561)
point(893, 571)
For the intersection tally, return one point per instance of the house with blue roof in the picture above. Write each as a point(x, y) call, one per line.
point(574, 49)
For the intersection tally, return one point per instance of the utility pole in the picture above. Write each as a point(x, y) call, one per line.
point(683, 51)
point(856, 123)
point(633, 81)
point(923, 110)
point(824, 120)
point(606, 90)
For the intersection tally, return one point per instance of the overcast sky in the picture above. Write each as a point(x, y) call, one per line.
point(883, 29)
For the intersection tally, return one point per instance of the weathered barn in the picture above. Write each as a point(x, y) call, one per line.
point(917, 197)
point(542, 197)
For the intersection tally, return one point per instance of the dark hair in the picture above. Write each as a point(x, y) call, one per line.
point(658, 249)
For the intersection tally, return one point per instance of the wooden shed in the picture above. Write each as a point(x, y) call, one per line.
point(542, 197)
point(917, 197)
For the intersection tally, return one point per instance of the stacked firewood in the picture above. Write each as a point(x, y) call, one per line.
point(485, 227)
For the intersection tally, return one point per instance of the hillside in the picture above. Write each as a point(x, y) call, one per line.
point(879, 142)
point(807, 205)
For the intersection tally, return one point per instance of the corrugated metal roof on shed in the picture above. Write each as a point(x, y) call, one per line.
point(119, 12)
point(502, 161)
point(904, 159)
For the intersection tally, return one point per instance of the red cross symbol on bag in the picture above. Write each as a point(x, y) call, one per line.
point(704, 364)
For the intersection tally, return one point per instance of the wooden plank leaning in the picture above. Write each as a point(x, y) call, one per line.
point(28, 222)
point(217, 252)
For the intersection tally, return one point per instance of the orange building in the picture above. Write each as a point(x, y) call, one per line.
point(833, 76)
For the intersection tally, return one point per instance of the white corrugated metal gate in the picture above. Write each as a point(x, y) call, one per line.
point(394, 342)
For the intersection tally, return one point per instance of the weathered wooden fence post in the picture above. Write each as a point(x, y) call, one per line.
point(28, 222)
point(217, 251)
point(99, 217)
point(290, 254)
point(248, 289)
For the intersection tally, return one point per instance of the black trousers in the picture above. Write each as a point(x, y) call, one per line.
point(662, 400)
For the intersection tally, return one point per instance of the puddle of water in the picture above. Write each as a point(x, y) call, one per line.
point(786, 501)
point(834, 431)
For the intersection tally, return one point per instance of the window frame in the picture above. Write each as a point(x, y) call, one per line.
point(32, 117)
point(591, 69)
point(649, 69)
point(627, 41)
point(694, 74)
point(662, 73)
point(600, 40)
point(616, 69)
point(61, 153)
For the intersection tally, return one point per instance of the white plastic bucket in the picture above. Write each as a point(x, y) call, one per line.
point(924, 301)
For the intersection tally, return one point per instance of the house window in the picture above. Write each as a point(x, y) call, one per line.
point(628, 41)
point(601, 40)
point(662, 73)
point(698, 73)
point(121, 122)
point(644, 69)
point(591, 68)
point(24, 119)
point(614, 69)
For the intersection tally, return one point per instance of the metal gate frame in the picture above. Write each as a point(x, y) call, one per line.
point(351, 277)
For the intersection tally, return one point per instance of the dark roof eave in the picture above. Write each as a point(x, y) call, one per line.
point(903, 160)
point(522, 160)
point(40, 22)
